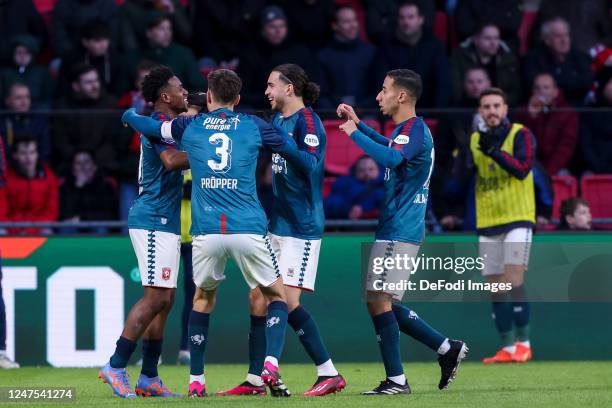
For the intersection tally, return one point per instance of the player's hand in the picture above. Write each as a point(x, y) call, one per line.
point(347, 112)
point(348, 127)
point(197, 99)
point(486, 144)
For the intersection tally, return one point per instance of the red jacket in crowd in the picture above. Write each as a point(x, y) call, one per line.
point(34, 199)
point(556, 134)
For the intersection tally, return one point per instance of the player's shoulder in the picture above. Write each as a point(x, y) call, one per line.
point(310, 122)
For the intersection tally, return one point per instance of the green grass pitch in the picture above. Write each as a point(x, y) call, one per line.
point(536, 384)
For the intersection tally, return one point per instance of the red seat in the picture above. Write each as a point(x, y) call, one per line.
point(327, 185)
point(342, 152)
point(431, 123)
point(440, 27)
point(564, 187)
point(597, 191)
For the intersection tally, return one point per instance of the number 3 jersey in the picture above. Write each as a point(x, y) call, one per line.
point(223, 147)
point(158, 206)
point(298, 201)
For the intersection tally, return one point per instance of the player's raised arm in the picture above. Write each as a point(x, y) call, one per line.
point(386, 156)
point(347, 112)
point(152, 128)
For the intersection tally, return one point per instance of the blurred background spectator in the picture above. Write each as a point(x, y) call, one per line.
point(381, 17)
point(83, 131)
point(18, 17)
point(24, 69)
point(31, 187)
point(570, 67)
point(85, 195)
point(20, 121)
point(554, 123)
point(358, 195)
point(347, 64)
point(575, 215)
point(70, 17)
point(135, 15)
point(485, 49)
point(413, 48)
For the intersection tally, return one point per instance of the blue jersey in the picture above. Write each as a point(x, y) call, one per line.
point(297, 209)
point(158, 206)
point(223, 147)
point(408, 156)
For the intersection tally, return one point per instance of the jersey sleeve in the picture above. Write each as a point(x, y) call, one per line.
point(163, 145)
point(176, 127)
point(270, 137)
point(310, 135)
point(520, 163)
point(414, 143)
point(386, 156)
point(372, 134)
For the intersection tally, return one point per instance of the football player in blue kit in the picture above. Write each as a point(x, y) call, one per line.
point(408, 158)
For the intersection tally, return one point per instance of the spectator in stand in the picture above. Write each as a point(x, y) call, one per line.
point(554, 124)
point(485, 49)
point(570, 67)
point(135, 14)
point(358, 195)
point(164, 51)
point(70, 17)
point(381, 17)
point(419, 51)
point(85, 194)
point(20, 121)
point(273, 47)
point(310, 20)
point(596, 129)
point(589, 19)
point(575, 215)
point(347, 64)
point(31, 188)
point(24, 69)
point(95, 50)
point(19, 17)
point(504, 14)
point(133, 98)
point(87, 130)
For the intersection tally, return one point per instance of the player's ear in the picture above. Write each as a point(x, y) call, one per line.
point(208, 97)
point(290, 90)
point(237, 100)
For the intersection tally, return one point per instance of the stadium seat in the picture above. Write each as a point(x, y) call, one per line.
point(432, 123)
point(327, 185)
point(564, 187)
point(341, 152)
point(440, 27)
point(597, 191)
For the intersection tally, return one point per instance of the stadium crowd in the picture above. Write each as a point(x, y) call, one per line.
point(67, 67)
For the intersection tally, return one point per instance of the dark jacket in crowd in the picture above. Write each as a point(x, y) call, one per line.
point(111, 71)
point(260, 58)
point(309, 20)
point(91, 131)
point(505, 14)
point(428, 59)
point(92, 202)
point(37, 126)
point(503, 70)
point(222, 28)
point(381, 17)
point(19, 17)
point(135, 15)
point(71, 16)
point(556, 133)
point(573, 76)
point(596, 141)
point(179, 58)
point(35, 76)
point(346, 70)
point(347, 192)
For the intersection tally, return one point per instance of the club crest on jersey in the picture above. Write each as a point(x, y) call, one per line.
point(166, 273)
point(311, 140)
point(401, 139)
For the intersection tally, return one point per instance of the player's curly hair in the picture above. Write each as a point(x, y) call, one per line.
point(302, 86)
point(155, 81)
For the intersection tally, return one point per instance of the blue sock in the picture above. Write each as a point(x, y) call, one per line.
point(257, 344)
point(276, 325)
point(123, 352)
point(387, 332)
point(502, 315)
point(520, 310)
point(198, 337)
point(151, 350)
point(308, 332)
point(411, 324)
